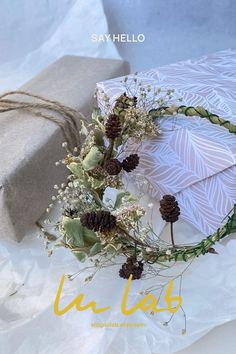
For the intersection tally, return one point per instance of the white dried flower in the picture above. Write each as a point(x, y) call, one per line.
point(148, 249)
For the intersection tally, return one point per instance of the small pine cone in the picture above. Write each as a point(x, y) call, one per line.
point(131, 266)
point(71, 213)
point(113, 167)
point(135, 100)
point(123, 103)
point(169, 208)
point(130, 163)
point(97, 171)
point(113, 126)
point(102, 221)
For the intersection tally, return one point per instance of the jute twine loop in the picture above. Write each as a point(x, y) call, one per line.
point(65, 117)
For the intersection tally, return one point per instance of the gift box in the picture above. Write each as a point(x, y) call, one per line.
point(192, 158)
point(31, 145)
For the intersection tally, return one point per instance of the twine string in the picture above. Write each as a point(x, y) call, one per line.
point(65, 117)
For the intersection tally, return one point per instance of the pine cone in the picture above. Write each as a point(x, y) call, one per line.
point(113, 126)
point(131, 266)
point(97, 171)
point(124, 102)
point(113, 167)
point(102, 221)
point(71, 213)
point(130, 163)
point(169, 208)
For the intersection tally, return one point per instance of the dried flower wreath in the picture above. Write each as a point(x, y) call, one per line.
point(94, 225)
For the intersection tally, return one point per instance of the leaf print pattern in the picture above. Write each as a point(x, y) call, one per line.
point(193, 159)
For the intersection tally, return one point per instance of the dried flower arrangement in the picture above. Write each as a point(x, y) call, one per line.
point(92, 225)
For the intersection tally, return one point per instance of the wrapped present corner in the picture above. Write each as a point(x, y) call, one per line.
point(192, 159)
point(30, 146)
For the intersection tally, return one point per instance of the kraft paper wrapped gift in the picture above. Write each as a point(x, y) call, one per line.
point(30, 145)
point(193, 159)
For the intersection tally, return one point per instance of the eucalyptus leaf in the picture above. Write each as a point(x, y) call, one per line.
point(98, 119)
point(96, 113)
point(98, 137)
point(74, 230)
point(89, 237)
point(84, 129)
point(119, 141)
point(96, 183)
point(76, 169)
point(110, 248)
point(81, 256)
point(119, 199)
point(92, 158)
point(96, 248)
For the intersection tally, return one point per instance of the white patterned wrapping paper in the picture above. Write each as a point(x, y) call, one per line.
point(193, 159)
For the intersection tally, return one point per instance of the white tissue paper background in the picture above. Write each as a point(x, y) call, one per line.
point(42, 32)
point(29, 280)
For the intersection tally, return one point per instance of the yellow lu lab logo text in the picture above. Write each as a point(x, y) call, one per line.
point(147, 303)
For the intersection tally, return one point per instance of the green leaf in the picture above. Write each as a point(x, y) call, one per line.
point(76, 169)
point(74, 230)
point(81, 236)
point(123, 195)
point(96, 248)
point(92, 158)
point(84, 130)
point(81, 256)
point(98, 119)
point(110, 248)
point(89, 237)
point(98, 138)
point(96, 183)
point(119, 141)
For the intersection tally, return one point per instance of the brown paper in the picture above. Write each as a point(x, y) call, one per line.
point(30, 146)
